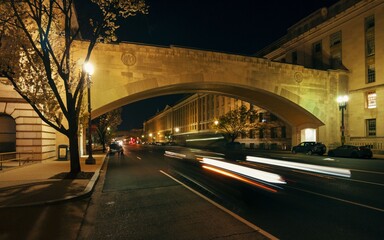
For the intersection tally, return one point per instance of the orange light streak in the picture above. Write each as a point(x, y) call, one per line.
point(239, 178)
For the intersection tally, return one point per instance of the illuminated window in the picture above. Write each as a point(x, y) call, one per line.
point(371, 99)
point(371, 127)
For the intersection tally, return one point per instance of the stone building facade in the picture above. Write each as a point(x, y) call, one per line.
point(22, 130)
point(349, 36)
point(191, 122)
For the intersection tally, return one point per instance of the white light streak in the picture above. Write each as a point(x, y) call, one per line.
point(174, 155)
point(341, 172)
point(250, 172)
point(204, 139)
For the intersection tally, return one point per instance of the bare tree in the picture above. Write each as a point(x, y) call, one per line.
point(37, 38)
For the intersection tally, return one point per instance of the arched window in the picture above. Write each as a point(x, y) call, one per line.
point(7, 133)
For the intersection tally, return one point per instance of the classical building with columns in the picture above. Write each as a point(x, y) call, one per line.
point(191, 122)
point(348, 36)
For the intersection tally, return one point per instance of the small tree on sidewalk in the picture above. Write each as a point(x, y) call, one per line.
point(107, 123)
point(239, 122)
point(37, 40)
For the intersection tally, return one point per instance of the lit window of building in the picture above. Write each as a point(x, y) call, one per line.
point(371, 99)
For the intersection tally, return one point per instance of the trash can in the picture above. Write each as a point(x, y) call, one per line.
point(63, 152)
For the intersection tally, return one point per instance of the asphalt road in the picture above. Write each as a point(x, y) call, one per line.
point(311, 205)
point(141, 196)
point(138, 198)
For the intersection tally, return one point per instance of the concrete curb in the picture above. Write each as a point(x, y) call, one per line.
point(86, 192)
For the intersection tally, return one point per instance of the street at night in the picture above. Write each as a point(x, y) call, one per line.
point(144, 119)
point(141, 198)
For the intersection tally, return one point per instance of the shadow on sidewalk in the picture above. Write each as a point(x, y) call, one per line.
point(41, 192)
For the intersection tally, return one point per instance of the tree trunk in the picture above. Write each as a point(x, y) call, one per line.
point(74, 149)
point(103, 143)
point(74, 154)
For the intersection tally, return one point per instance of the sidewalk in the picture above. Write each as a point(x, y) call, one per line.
point(45, 182)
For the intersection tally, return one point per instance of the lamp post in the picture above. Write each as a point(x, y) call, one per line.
point(343, 101)
point(89, 69)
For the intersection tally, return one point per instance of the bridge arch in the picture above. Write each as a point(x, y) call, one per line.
point(287, 111)
point(302, 97)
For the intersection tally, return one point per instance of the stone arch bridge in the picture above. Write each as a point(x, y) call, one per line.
point(302, 97)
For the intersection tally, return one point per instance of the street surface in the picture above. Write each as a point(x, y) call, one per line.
point(310, 205)
point(170, 192)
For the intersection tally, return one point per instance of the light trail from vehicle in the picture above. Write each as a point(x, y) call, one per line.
point(237, 177)
point(174, 155)
point(246, 171)
point(341, 172)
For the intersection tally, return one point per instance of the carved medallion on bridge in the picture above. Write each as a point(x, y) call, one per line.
point(128, 58)
point(298, 77)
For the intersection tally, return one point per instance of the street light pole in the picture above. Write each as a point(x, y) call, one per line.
point(342, 100)
point(88, 67)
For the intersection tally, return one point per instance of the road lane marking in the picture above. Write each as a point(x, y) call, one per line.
point(366, 171)
point(198, 184)
point(138, 158)
point(249, 224)
point(338, 199)
point(361, 181)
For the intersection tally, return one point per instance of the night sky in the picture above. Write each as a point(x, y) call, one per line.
point(241, 27)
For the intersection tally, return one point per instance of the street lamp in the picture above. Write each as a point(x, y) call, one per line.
point(343, 101)
point(89, 69)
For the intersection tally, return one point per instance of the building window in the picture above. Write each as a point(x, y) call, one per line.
point(335, 39)
point(370, 35)
point(261, 133)
point(283, 132)
point(371, 127)
point(262, 117)
point(335, 50)
point(371, 99)
point(370, 49)
point(252, 133)
point(317, 55)
point(7, 133)
point(371, 73)
point(294, 57)
point(243, 135)
point(273, 117)
point(274, 132)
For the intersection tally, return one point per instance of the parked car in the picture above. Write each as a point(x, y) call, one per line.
point(115, 147)
point(310, 148)
point(351, 151)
